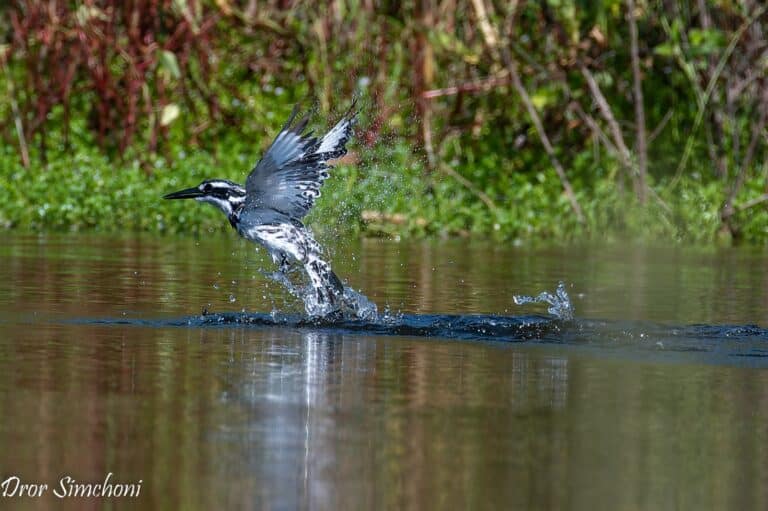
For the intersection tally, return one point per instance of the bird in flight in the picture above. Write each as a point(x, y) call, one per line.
point(278, 193)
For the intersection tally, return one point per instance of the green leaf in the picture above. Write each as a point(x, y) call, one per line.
point(169, 62)
point(706, 42)
point(447, 42)
point(667, 49)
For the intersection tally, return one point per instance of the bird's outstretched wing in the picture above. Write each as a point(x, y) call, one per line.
point(289, 175)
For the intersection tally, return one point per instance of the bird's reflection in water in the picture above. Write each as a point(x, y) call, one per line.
point(321, 419)
point(281, 398)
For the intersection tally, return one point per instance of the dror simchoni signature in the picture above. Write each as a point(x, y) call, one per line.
point(69, 487)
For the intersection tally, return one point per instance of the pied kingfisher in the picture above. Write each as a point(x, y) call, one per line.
point(278, 193)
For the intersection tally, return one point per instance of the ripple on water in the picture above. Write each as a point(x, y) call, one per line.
point(722, 344)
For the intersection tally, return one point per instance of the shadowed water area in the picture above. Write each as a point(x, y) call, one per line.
point(652, 397)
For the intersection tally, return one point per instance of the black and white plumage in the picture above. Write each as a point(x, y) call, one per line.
point(289, 176)
point(278, 193)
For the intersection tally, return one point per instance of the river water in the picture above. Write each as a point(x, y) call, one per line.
point(654, 397)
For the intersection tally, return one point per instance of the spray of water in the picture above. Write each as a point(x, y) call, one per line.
point(322, 300)
point(560, 304)
point(353, 305)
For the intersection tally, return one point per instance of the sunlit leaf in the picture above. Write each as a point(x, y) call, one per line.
point(85, 13)
point(170, 112)
point(544, 97)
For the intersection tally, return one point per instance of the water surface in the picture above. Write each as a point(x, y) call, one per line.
point(106, 366)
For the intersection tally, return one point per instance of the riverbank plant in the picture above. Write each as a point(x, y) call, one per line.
point(550, 120)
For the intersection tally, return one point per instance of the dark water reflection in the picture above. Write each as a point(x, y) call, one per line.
point(282, 418)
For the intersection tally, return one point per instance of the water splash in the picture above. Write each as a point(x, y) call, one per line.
point(349, 304)
point(560, 304)
point(359, 305)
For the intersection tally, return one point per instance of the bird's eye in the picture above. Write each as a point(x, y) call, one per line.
point(207, 187)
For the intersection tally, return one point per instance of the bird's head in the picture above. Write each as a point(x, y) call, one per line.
point(224, 194)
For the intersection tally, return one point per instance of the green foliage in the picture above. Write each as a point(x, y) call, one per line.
point(446, 146)
point(83, 190)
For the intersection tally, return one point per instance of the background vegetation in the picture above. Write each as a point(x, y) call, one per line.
point(546, 119)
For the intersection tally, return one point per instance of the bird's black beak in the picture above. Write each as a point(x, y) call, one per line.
point(189, 193)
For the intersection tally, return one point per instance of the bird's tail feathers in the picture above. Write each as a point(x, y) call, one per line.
point(327, 285)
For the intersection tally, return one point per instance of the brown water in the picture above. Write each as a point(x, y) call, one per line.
point(286, 417)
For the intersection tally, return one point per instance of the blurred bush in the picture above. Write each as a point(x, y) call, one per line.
point(557, 118)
